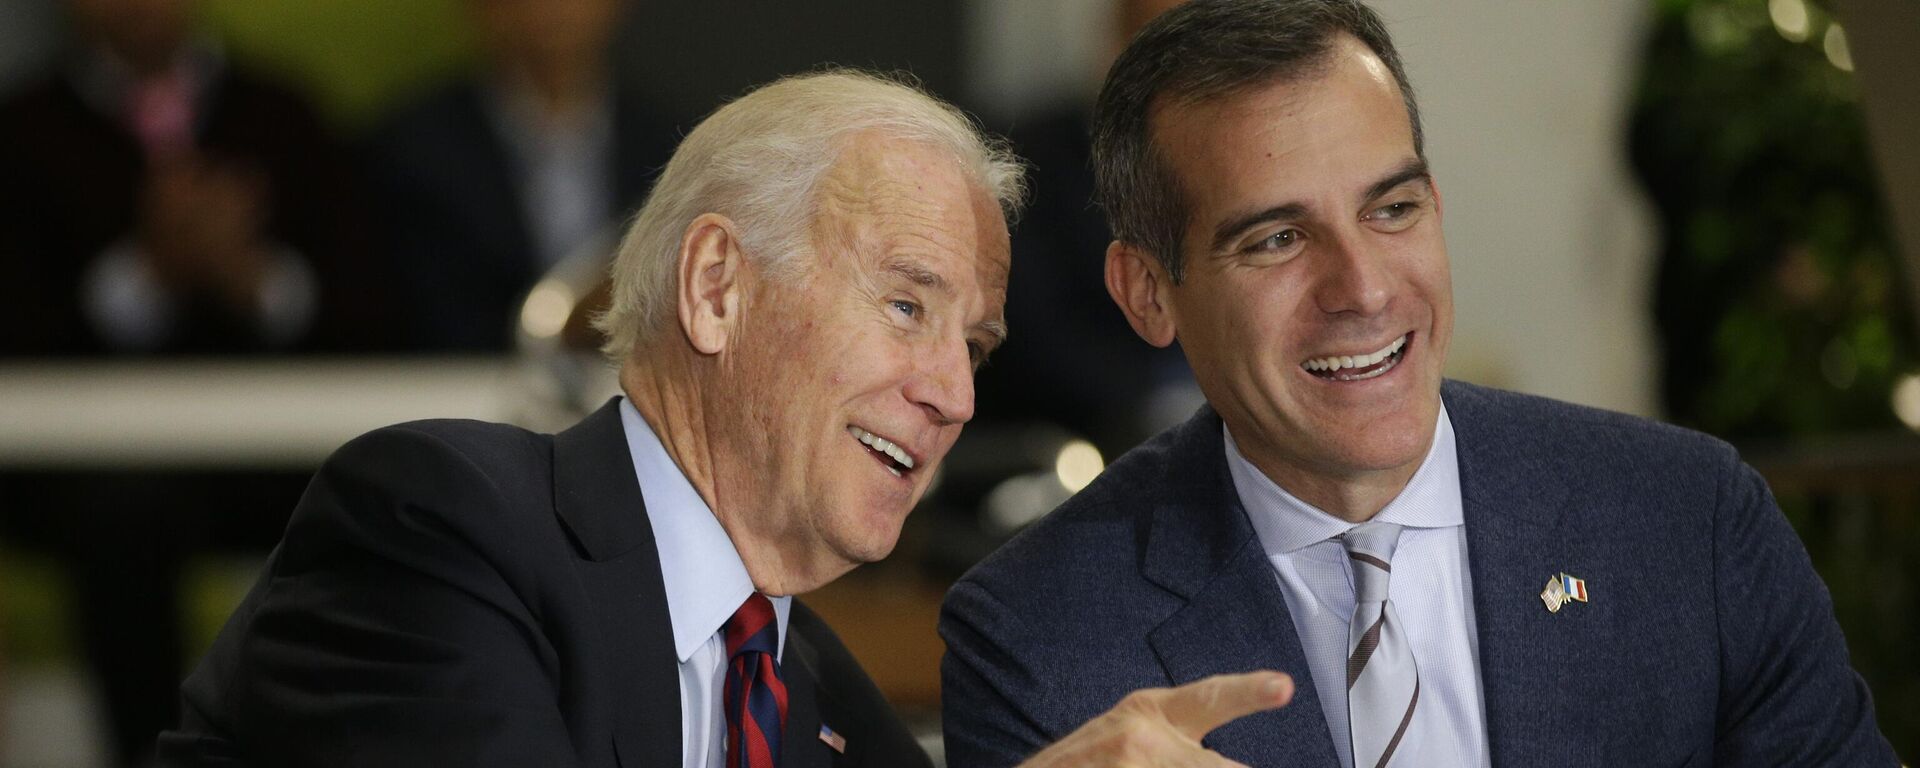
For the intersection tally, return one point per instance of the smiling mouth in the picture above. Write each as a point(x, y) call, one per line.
point(1360, 367)
point(889, 454)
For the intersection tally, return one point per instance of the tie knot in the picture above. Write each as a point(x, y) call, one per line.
point(1370, 546)
point(753, 627)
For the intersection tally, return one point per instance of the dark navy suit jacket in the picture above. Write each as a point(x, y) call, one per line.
point(453, 593)
point(1708, 640)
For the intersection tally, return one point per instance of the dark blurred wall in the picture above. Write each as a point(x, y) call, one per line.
point(28, 34)
point(691, 56)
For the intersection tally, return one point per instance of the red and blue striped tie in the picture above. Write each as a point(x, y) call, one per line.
point(755, 697)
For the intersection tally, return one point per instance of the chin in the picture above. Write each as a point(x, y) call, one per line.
point(866, 537)
point(868, 549)
point(1404, 445)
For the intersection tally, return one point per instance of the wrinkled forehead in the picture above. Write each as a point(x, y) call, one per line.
point(909, 197)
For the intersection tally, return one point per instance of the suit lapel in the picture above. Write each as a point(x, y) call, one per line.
point(1514, 502)
point(1201, 547)
point(599, 501)
point(800, 745)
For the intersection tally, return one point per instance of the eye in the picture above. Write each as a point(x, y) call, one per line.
point(1394, 211)
point(1275, 248)
point(907, 308)
point(977, 353)
point(1280, 240)
point(1395, 216)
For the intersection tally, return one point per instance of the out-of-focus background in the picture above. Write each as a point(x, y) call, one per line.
point(235, 233)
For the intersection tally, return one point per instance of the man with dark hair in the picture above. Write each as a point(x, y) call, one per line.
point(1341, 513)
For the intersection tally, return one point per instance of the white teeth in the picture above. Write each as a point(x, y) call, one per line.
point(1337, 362)
point(882, 445)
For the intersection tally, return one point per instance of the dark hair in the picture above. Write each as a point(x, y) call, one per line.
point(1197, 52)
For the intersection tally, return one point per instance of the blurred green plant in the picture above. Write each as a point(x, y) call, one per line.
point(1779, 299)
point(355, 57)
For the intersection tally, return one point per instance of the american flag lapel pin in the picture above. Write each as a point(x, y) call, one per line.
point(1555, 595)
point(838, 742)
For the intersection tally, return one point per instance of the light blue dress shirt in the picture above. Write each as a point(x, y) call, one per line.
point(706, 582)
point(1431, 589)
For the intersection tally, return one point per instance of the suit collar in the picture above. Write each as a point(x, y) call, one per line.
point(1197, 523)
point(1201, 547)
point(799, 738)
point(1514, 488)
point(1518, 470)
point(598, 500)
point(594, 489)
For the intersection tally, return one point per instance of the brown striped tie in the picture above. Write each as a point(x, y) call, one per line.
point(1383, 685)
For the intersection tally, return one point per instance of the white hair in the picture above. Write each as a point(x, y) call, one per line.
point(759, 161)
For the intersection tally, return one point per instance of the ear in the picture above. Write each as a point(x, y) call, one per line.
point(1138, 283)
point(1439, 203)
point(712, 269)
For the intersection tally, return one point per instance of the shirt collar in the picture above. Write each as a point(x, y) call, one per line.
point(1286, 524)
point(704, 576)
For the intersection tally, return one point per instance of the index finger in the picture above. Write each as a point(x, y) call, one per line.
point(1201, 706)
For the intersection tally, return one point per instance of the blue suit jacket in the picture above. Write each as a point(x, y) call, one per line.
point(1708, 640)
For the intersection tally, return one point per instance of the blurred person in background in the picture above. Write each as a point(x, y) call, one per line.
point(1068, 326)
point(159, 200)
point(486, 183)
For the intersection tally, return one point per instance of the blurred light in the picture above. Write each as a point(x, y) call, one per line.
point(1838, 364)
point(1020, 500)
point(546, 310)
point(1836, 45)
point(1790, 18)
point(1078, 464)
point(1906, 400)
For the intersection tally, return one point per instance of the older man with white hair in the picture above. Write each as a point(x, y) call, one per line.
point(797, 313)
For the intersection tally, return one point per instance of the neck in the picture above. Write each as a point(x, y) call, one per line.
point(1351, 496)
point(1355, 499)
point(684, 402)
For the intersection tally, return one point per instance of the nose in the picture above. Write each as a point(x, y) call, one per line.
point(1353, 278)
point(943, 384)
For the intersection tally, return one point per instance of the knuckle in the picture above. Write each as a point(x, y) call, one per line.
point(1137, 703)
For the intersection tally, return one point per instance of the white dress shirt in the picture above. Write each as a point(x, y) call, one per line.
point(1431, 589)
point(706, 582)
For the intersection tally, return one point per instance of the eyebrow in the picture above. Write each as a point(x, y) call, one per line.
point(920, 276)
point(929, 279)
point(1412, 170)
point(996, 329)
